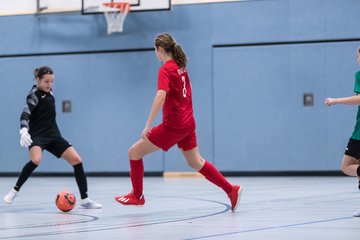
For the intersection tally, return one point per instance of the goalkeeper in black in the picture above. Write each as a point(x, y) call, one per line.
point(39, 132)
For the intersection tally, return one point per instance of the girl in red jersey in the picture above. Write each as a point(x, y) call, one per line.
point(174, 96)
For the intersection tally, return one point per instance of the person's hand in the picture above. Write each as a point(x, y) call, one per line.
point(25, 138)
point(145, 132)
point(329, 101)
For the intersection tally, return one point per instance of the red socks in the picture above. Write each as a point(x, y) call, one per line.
point(214, 176)
point(136, 175)
point(208, 170)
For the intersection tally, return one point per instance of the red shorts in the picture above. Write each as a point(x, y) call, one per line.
point(165, 138)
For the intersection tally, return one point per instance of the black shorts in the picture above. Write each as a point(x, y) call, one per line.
point(353, 148)
point(56, 146)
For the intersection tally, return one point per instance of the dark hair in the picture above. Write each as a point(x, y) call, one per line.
point(41, 71)
point(168, 43)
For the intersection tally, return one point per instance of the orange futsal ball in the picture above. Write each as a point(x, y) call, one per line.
point(65, 201)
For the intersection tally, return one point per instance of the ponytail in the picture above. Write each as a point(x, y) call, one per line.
point(179, 56)
point(168, 43)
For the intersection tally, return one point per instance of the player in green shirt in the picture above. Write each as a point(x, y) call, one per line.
point(351, 160)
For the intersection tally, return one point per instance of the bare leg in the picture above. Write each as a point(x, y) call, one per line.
point(350, 165)
point(141, 148)
point(35, 155)
point(137, 151)
point(71, 156)
point(35, 159)
point(74, 159)
point(204, 167)
point(195, 161)
point(194, 158)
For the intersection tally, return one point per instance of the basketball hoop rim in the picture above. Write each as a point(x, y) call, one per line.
point(115, 6)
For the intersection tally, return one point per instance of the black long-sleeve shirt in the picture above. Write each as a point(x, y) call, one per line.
point(39, 115)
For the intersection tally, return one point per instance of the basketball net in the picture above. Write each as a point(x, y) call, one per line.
point(115, 14)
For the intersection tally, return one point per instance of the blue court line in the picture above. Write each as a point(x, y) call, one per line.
point(56, 232)
point(269, 228)
point(25, 226)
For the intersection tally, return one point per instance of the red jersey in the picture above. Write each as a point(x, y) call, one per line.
point(177, 109)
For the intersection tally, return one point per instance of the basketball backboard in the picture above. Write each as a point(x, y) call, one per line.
point(20, 7)
point(91, 6)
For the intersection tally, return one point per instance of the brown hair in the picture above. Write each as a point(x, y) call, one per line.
point(41, 71)
point(168, 43)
